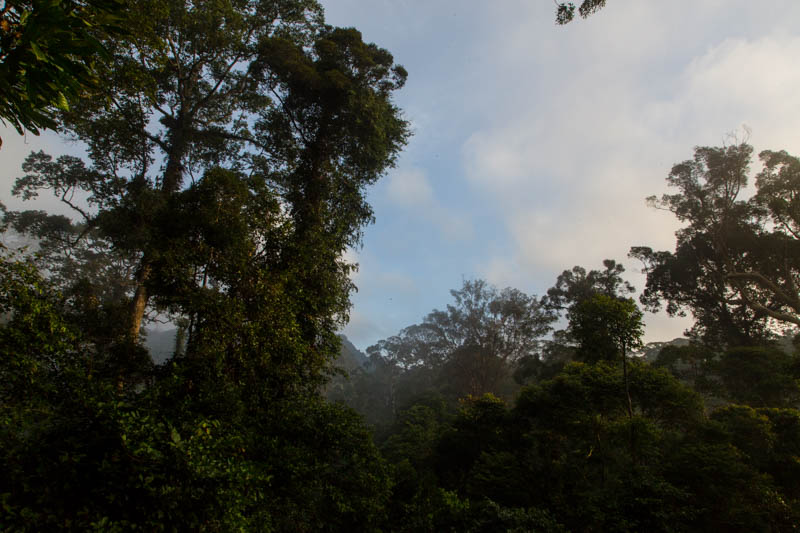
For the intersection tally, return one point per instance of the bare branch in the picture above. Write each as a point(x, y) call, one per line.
point(68, 202)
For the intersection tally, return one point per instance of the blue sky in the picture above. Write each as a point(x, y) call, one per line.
point(535, 145)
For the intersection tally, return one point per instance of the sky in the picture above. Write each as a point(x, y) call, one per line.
point(535, 145)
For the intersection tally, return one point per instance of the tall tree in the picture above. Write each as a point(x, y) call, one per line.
point(224, 113)
point(735, 265)
point(227, 157)
point(607, 328)
point(574, 286)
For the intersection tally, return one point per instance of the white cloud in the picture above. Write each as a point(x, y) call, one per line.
point(453, 226)
point(747, 81)
point(575, 189)
point(500, 162)
point(409, 188)
point(504, 272)
point(568, 174)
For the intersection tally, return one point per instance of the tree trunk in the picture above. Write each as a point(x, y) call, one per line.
point(630, 404)
point(625, 377)
point(138, 303)
point(170, 184)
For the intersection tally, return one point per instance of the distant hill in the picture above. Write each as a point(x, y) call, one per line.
point(350, 357)
point(651, 349)
point(785, 342)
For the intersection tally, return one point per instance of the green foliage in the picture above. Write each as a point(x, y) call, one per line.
point(80, 453)
point(431, 450)
point(562, 448)
point(34, 334)
point(411, 450)
point(571, 296)
point(576, 432)
point(299, 113)
point(328, 475)
point(125, 463)
point(561, 459)
point(759, 377)
point(576, 285)
point(471, 348)
point(783, 454)
point(51, 53)
point(605, 328)
point(729, 467)
point(478, 429)
point(270, 125)
point(565, 11)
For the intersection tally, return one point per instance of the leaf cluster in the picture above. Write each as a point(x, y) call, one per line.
point(50, 54)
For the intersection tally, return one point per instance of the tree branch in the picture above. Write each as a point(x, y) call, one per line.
point(777, 315)
point(764, 282)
